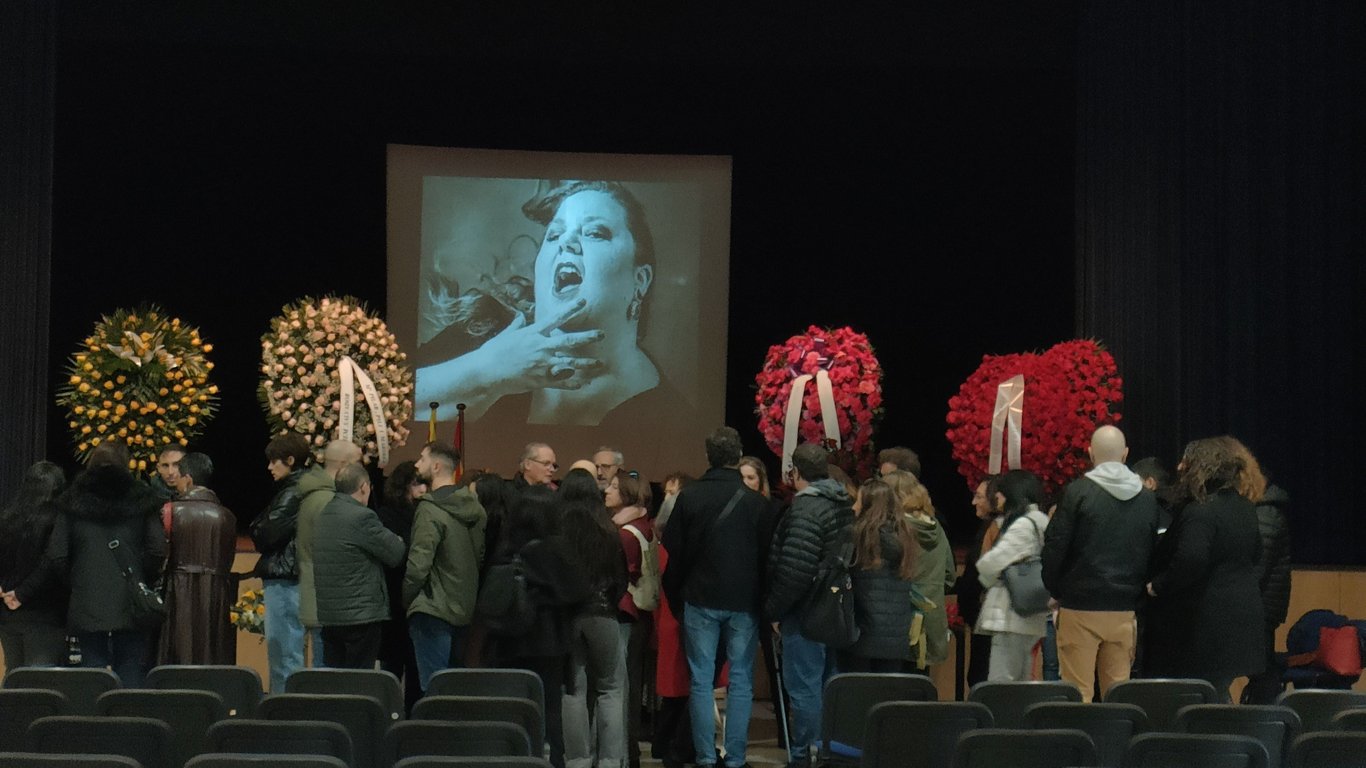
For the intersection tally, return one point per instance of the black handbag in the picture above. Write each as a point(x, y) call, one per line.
point(504, 602)
point(828, 617)
point(146, 606)
point(1024, 582)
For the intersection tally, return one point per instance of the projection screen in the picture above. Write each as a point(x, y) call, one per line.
point(577, 300)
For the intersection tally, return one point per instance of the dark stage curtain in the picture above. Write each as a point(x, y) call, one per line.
point(27, 34)
point(1221, 228)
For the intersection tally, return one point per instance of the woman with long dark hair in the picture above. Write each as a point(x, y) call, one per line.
point(596, 658)
point(557, 584)
point(33, 619)
point(1207, 606)
point(884, 566)
point(1019, 495)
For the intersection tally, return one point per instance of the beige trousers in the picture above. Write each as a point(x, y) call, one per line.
point(1092, 643)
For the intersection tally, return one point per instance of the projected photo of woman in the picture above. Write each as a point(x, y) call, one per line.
point(576, 355)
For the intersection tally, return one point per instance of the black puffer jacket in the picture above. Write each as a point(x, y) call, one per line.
point(882, 605)
point(274, 530)
point(1274, 567)
point(819, 513)
point(102, 504)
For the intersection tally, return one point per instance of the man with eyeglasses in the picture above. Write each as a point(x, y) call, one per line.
point(538, 467)
point(607, 461)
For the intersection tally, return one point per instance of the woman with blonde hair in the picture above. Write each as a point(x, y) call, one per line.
point(935, 570)
point(1208, 615)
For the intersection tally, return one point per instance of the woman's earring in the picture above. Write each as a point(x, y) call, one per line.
point(633, 309)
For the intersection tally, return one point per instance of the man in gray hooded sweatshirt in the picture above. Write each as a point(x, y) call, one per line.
point(1096, 557)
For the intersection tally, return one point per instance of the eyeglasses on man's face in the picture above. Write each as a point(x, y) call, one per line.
point(547, 463)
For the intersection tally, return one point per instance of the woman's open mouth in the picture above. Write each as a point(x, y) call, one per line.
point(566, 279)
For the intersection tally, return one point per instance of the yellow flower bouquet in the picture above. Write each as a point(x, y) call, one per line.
point(141, 378)
point(249, 613)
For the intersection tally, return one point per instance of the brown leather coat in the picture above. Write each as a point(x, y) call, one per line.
point(200, 588)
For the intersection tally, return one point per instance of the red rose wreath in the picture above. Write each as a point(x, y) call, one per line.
point(1069, 390)
point(855, 378)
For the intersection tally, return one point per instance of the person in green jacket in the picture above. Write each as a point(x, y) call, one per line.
point(441, 580)
point(935, 570)
point(316, 489)
point(350, 549)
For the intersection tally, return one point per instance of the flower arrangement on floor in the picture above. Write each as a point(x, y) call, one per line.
point(302, 357)
point(855, 378)
point(1069, 391)
point(140, 378)
point(248, 614)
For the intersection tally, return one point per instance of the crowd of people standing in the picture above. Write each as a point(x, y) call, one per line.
point(629, 600)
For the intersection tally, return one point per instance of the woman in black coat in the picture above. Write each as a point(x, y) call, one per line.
point(884, 575)
point(106, 502)
point(557, 584)
point(1207, 613)
point(33, 614)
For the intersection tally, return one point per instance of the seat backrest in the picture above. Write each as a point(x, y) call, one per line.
point(1274, 726)
point(235, 760)
point(19, 707)
point(848, 697)
point(1317, 707)
point(1353, 719)
point(521, 712)
point(509, 683)
point(919, 734)
point(472, 762)
point(80, 685)
point(41, 760)
point(1162, 750)
point(240, 687)
point(1008, 700)
point(1018, 748)
point(145, 740)
point(1162, 698)
point(378, 684)
point(1328, 750)
point(361, 716)
point(1109, 725)
point(188, 712)
point(412, 738)
point(279, 737)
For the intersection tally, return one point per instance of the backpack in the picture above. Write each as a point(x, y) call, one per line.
point(504, 601)
point(645, 592)
point(828, 616)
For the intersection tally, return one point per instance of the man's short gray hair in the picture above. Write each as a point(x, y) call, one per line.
point(351, 477)
point(617, 458)
point(529, 452)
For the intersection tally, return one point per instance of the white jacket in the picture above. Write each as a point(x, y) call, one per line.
point(1017, 543)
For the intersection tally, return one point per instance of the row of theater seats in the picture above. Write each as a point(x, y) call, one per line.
point(896, 721)
point(354, 716)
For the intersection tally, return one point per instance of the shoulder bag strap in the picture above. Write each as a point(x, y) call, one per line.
point(725, 513)
point(644, 542)
point(124, 560)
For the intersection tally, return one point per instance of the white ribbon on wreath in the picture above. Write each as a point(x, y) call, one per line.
point(829, 419)
point(1007, 424)
point(350, 371)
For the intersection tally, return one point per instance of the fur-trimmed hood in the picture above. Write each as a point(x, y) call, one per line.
point(106, 494)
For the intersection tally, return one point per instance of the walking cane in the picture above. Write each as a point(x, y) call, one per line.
point(779, 695)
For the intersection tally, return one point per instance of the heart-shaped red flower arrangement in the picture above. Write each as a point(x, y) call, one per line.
point(855, 377)
point(1069, 391)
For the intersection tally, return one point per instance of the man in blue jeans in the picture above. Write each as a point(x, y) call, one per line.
point(716, 539)
point(821, 510)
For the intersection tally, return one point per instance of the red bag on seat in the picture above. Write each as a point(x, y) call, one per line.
point(1340, 650)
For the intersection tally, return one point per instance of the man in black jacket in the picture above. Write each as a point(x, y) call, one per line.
point(716, 540)
point(350, 549)
point(821, 512)
point(1096, 557)
point(273, 531)
point(1274, 527)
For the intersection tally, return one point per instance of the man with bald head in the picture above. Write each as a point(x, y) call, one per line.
point(1096, 558)
point(317, 488)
